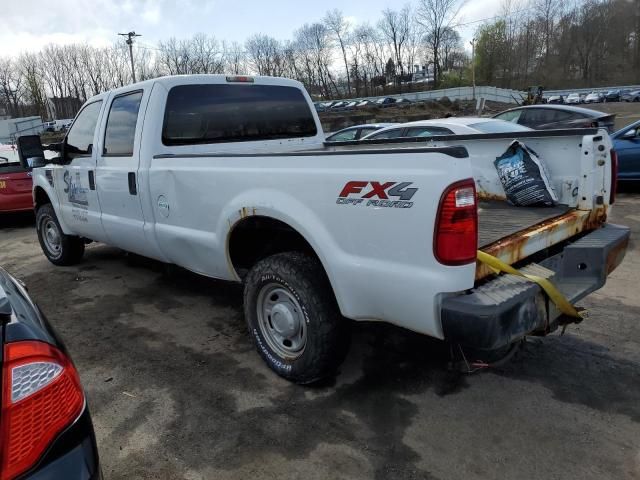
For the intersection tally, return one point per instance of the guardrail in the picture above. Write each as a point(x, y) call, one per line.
point(494, 94)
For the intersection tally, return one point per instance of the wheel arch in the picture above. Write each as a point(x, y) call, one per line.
point(255, 237)
point(40, 197)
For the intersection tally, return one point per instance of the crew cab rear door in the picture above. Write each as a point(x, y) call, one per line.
point(117, 170)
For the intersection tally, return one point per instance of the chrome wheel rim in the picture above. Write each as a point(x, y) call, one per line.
point(51, 237)
point(281, 321)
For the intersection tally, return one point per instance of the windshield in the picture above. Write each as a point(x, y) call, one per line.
point(498, 126)
point(8, 156)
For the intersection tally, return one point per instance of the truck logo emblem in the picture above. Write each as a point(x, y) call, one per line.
point(377, 194)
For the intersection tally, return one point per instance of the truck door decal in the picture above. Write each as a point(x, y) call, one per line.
point(77, 194)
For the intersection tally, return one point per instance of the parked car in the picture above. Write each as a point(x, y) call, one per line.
point(385, 102)
point(356, 132)
point(614, 95)
point(402, 102)
point(365, 103)
point(49, 126)
point(338, 105)
point(446, 126)
point(350, 106)
point(626, 143)
point(46, 426)
point(15, 182)
point(320, 107)
point(546, 117)
point(631, 96)
point(317, 233)
point(573, 99)
point(594, 97)
point(557, 99)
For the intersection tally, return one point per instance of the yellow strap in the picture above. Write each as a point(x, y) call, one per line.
point(554, 294)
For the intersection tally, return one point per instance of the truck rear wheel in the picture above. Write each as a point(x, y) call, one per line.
point(59, 248)
point(293, 317)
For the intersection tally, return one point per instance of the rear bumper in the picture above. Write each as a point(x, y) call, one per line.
point(509, 307)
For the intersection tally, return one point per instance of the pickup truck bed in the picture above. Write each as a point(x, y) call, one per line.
point(498, 219)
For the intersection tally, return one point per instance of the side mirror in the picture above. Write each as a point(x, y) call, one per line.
point(30, 151)
point(633, 133)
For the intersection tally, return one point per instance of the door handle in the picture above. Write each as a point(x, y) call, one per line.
point(133, 189)
point(92, 181)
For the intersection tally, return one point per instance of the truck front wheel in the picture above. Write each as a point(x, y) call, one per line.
point(59, 248)
point(293, 317)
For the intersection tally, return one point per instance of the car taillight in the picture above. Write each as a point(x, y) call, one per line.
point(41, 396)
point(456, 235)
point(614, 176)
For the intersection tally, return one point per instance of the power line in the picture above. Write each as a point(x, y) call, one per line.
point(491, 18)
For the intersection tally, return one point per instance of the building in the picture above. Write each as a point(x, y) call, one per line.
point(14, 127)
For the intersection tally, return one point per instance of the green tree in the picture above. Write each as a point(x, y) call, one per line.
point(491, 50)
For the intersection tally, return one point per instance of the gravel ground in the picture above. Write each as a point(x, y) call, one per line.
point(177, 391)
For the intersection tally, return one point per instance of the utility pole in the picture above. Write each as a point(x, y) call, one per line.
point(473, 66)
point(129, 41)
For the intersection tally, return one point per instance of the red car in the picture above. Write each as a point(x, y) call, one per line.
point(15, 184)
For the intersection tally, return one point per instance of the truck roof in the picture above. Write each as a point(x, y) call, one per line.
point(170, 81)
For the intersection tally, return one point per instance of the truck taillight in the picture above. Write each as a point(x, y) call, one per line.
point(456, 235)
point(614, 177)
point(41, 396)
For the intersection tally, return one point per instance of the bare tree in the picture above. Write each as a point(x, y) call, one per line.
point(11, 86)
point(396, 27)
point(436, 18)
point(340, 28)
point(234, 58)
point(265, 54)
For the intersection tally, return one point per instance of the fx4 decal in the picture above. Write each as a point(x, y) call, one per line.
point(377, 194)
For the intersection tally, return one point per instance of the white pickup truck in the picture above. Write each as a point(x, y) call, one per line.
point(229, 177)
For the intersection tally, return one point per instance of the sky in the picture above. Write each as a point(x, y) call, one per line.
point(29, 25)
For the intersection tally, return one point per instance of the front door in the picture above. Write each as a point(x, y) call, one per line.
point(117, 173)
point(75, 182)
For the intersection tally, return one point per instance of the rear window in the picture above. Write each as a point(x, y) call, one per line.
point(386, 134)
point(427, 131)
point(197, 114)
point(498, 127)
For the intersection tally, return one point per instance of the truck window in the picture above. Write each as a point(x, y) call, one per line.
point(79, 140)
point(121, 125)
point(235, 113)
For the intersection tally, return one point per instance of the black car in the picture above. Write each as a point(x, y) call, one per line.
point(614, 95)
point(385, 102)
point(548, 117)
point(46, 429)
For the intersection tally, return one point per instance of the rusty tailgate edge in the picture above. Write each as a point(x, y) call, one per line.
point(533, 239)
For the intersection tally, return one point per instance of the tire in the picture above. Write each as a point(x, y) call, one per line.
point(60, 249)
point(293, 317)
